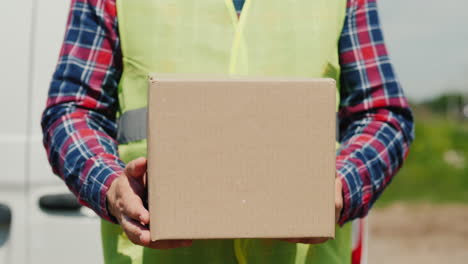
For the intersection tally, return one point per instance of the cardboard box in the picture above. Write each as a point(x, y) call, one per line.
point(241, 158)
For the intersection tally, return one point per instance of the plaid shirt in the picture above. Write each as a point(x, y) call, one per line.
point(79, 122)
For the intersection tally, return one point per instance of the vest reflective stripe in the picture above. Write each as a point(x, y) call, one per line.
point(132, 126)
point(271, 38)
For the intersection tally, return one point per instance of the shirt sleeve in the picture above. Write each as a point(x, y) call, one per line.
point(376, 124)
point(78, 123)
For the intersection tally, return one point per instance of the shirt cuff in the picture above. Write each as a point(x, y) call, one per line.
point(99, 173)
point(349, 175)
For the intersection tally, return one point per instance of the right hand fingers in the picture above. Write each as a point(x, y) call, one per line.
point(136, 168)
point(170, 244)
point(132, 214)
point(140, 235)
point(131, 205)
point(129, 192)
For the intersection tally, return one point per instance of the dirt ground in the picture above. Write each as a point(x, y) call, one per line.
point(419, 234)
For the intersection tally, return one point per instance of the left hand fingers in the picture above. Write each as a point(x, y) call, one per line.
point(338, 199)
point(319, 240)
point(338, 207)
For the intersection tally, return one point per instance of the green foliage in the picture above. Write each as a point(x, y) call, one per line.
point(452, 102)
point(437, 167)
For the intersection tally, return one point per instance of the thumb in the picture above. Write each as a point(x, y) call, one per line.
point(338, 199)
point(136, 168)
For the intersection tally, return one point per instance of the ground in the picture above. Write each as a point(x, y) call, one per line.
point(417, 234)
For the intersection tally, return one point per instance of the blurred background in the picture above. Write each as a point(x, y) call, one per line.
point(421, 218)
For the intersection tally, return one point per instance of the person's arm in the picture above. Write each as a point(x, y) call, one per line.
point(79, 120)
point(79, 123)
point(376, 124)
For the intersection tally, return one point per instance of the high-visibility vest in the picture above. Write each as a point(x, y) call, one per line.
point(271, 38)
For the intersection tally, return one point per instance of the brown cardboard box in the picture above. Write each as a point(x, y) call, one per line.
point(241, 158)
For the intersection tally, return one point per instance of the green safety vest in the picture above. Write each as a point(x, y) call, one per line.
point(271, 38)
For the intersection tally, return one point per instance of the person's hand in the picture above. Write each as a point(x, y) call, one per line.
point(338, 207)
point(124, 200)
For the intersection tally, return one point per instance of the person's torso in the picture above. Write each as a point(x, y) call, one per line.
point(270, 38)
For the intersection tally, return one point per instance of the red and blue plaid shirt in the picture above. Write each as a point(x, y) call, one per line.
point(79, 123)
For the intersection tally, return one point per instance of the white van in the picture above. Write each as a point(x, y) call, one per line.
point(40, 221)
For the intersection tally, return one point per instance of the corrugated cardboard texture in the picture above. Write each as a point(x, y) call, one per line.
point(241, 158)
